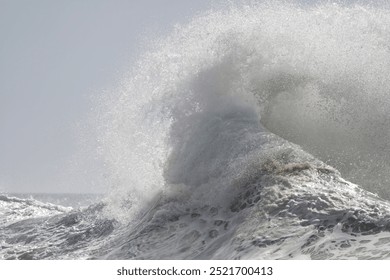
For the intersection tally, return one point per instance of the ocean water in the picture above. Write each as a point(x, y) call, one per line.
point(255, 131)
point(73, 200)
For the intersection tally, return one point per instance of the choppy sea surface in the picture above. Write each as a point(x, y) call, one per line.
point(256, 131)
point(73, 200)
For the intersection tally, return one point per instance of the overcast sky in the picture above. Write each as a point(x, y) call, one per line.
point(53, 56)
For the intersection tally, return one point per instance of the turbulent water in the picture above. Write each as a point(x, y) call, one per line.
point(230, 139)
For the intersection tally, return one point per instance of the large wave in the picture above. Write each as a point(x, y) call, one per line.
point(225, 139)
point(314, 75)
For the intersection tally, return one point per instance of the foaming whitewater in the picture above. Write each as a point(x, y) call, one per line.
point(230, 139)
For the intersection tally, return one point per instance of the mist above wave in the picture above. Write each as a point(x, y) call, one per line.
point(316, 76)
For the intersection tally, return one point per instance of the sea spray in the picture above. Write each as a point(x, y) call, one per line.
point(314, 75)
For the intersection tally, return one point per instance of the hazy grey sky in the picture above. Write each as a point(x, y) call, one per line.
point(53, 56)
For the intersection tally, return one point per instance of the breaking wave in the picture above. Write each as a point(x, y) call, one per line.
point(225, 139)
